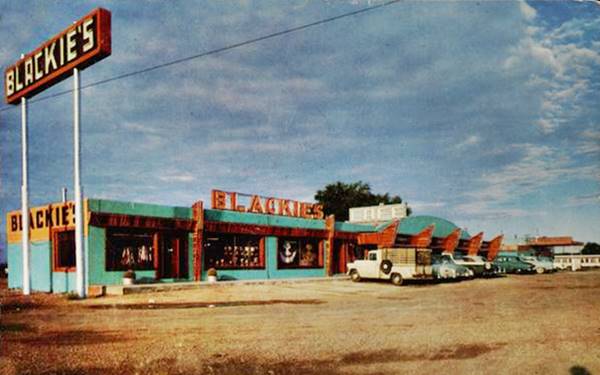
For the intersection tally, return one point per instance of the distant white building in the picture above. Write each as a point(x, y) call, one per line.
point(576, 262)
point(377, 214)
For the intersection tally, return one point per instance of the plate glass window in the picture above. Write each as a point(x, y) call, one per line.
point(298, 253)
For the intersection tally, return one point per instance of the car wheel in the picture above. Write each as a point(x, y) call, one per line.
point(354, 276)
point(539, 270)
point(397, 279)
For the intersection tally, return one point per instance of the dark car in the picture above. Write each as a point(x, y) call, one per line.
point(512, 264)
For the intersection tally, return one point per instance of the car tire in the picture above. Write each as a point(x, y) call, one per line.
point(397, 279)
point(539, 270)
point(354, 276)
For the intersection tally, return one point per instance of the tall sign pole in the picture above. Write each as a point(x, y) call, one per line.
point(79, 248)
point(25, 199)
point(82, 44)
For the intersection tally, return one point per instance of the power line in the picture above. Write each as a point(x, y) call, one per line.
point(211, 52)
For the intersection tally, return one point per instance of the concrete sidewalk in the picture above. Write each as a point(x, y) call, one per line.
point(168, 287)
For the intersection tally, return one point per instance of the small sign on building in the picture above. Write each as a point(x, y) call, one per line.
point(377, 214)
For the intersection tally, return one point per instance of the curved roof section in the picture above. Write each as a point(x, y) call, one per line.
point(412, 225)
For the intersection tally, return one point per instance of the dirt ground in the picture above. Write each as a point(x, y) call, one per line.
point(538, 324)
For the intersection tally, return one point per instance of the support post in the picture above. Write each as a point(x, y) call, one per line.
point(79, 250)
point(330, 228)
point(25, 199)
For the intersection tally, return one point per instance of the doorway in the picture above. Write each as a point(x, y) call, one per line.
point(173, 256)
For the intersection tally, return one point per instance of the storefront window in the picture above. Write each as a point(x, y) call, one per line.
point(129, 249)
point(298, 253)
point(64, 250)
point(227, 251)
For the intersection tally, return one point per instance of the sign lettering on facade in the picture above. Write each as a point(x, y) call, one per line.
point(222, 200)
point(41, 221)
point(82, 44)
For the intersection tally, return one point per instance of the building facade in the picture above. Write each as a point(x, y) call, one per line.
point(265, 238)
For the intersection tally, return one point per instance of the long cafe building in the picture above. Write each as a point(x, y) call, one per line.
point(241, 236)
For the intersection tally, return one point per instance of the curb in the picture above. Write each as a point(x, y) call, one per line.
point(168, 287)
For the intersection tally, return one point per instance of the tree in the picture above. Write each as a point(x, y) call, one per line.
point(338, 197)
point(591, 248)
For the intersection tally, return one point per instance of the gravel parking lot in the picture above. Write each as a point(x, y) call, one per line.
point(517, 324)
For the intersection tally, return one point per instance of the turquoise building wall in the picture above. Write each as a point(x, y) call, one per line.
point(270, 271)
point(43, 279)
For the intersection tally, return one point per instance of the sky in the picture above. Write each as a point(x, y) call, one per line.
point(483, 113)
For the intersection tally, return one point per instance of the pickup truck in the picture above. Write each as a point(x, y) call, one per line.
point(395, 264)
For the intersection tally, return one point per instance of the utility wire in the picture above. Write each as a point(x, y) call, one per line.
point(211, 52)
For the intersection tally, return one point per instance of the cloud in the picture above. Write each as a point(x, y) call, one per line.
point(584, 200)
point(567, 64)
point(419, 207)
point(538, 168)
point(590, 143)
point(180, 177)
point(528, 12)
point(469, 141)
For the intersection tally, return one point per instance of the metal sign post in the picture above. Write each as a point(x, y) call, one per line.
point(25, 199)
point(79, 250)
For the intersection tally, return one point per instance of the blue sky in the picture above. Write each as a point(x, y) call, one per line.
point(485, 113)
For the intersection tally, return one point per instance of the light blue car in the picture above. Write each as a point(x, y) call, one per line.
point(444, 267)
point(540, 264)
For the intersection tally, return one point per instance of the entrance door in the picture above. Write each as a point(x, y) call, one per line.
point(341, 255)
point(173, 256)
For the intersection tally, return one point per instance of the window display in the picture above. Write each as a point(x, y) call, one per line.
point(298, 253)
point(227, 251)
point(129, 249)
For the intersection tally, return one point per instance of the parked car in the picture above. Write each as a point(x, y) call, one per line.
point(444, 267)
point(540, 264)
point(511, 263)
point(479, 266)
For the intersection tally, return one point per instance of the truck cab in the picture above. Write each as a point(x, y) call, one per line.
point(394, 264)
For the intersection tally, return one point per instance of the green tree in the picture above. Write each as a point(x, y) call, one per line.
point(338, 197)
point(591, 248)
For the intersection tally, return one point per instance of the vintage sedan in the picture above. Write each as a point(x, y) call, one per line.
point(444, 267)
point(512, 264)
point(540, 264)
point(479, 266)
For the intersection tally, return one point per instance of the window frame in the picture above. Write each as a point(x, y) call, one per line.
point(261, 253)
point(320, 253)
point(110, 266)
point(55, 250)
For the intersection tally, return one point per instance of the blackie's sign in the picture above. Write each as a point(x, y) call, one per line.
point(222, 200)
point(82, 44)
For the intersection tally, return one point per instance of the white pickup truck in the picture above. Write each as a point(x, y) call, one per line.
point(394, 264)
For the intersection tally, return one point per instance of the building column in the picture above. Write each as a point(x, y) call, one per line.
point(330, 228)
point(198, 216)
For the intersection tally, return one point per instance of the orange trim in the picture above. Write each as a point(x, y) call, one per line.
point(321, 246)
point(494, 247)
point(450, 242)
point(422, 239)
point(384, 238)
point(330, 227)
point(197, 236)
point(474, 244)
